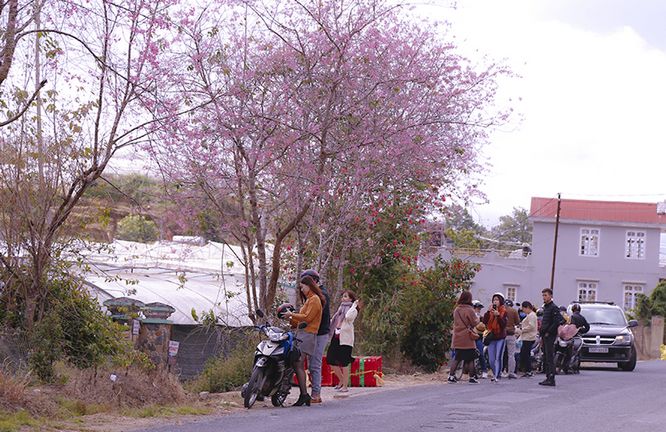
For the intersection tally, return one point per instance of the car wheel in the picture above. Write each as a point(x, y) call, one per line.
point(631, 364)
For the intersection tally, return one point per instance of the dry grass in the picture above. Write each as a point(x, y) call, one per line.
point(133, 388)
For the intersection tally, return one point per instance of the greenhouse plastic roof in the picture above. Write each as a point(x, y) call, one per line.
point(186, 276)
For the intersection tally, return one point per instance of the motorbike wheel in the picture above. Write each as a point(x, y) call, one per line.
point(575, 367)
point(278, 399)
point(253, 388)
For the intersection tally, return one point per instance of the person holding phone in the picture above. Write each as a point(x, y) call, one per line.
point(310, 313)
point(495, 320)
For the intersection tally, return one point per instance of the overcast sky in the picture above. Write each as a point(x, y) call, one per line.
point(593, 89)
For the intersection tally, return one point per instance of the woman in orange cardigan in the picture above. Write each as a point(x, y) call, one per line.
point(310, 313)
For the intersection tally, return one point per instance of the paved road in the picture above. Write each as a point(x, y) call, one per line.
point(595, 401)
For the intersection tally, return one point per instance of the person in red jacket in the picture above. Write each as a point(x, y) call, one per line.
point(495, 320)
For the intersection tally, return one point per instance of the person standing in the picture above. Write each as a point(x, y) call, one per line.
point(478, 307)
point(512, 320)
point(552, 318)
point(528, 332)
point(495, 320)
point(339, 354)
point(464, 337)
point(315, 361)
point(310, 313)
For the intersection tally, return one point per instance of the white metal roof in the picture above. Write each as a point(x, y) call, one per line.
point(184, 276)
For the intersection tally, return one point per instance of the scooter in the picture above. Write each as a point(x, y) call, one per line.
point(567, 354)
point(273, 365)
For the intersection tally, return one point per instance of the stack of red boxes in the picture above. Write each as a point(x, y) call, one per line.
point(364, 372)
point(326, 373)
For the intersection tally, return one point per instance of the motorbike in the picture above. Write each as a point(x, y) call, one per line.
point(273, 366)
point(567, 354)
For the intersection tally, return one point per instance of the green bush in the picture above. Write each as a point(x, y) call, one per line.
point(412, 315)
point(138, 229)
point(75, 329)
point(226, 373)
point(427, 306)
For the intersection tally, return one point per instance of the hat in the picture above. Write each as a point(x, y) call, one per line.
point(500, 295)
point(509, 302)
point(312, 273)
point(481, 327)
point(477, 304)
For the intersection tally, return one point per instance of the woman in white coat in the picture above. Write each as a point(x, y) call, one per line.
point(342, 338)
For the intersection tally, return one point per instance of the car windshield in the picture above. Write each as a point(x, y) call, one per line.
point(611, 317)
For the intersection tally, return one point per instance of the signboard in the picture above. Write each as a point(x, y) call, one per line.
point(136, 325)
point(173, 348)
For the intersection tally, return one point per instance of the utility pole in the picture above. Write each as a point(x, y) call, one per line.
point(557, 228)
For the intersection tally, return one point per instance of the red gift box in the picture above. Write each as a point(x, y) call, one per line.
point(364, 372)
point(326, 373)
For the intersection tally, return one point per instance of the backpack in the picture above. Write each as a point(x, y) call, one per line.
point(567, 331)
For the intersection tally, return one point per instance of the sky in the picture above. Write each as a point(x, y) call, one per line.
point(590, 97)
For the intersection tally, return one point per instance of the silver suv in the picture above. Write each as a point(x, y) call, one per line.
point(609, 339)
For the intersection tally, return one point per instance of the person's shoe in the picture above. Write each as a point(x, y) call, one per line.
point(493, 379)
point(303, 399)
point(513, 376)
point(344, 390)
point(527, 375)
point(451, 379)
point(484, 375)
point(338, 387)
point(548, 382)
point(473, 381)
point(316, 399)
point(260, 398)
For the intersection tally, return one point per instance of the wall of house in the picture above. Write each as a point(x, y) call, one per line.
point(610, 270)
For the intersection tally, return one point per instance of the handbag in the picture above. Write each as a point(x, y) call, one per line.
point(472, 333)
point(489, 337)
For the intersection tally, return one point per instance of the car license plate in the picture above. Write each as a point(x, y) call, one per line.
point(598, 350)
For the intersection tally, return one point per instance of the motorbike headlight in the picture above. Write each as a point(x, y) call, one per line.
point(622, 340)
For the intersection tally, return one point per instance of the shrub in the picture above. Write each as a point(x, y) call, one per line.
point(413, 314)
point(226, 373)
point(427, 307)
point(75, 329)
point(137, 228)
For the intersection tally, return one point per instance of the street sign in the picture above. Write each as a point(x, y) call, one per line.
point(173, 348)
point(136, 325)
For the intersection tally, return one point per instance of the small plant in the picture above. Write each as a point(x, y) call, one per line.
point(222, 374)
point(137, 228)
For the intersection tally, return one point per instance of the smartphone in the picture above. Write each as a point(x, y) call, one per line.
point(495, 306)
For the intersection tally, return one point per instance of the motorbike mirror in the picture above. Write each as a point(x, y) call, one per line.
point(260, 313)
point(633, 323)
point(302, 325)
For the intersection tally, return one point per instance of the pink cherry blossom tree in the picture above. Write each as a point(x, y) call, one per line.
point(315, 111)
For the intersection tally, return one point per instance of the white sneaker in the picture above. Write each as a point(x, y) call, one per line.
point(484, 375)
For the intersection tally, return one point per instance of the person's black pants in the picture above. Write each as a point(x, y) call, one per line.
point(525, 356)
point(549, 356)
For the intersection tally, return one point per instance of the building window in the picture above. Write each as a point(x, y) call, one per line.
point(631, 292)
point(634, 245)
point(511, 293)
point(589, 242)
point(587, 291)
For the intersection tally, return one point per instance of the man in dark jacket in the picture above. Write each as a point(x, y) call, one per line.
point(552, 318)
point(315, 364)
point(579, 320)
point(583, 327)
